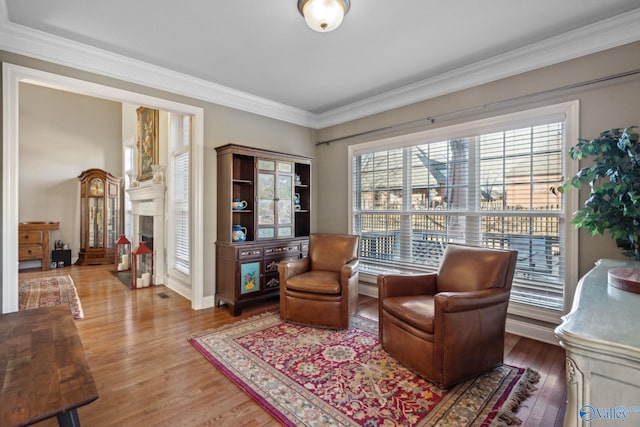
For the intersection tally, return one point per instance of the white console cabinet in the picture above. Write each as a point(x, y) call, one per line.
point(601, 336)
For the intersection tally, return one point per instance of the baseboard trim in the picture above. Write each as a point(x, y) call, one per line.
point(529, 330)
point(179, 288)
point(208, 301)
point(368, 290)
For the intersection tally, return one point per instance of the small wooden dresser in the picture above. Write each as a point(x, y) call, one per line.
point(33, 241)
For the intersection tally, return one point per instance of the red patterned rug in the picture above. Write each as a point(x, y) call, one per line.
point(48, 291)
point(311, 376)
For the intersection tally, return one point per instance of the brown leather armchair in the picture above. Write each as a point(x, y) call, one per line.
point(449, 326)
point(322, 288)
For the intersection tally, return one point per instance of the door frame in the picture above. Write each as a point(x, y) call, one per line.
point(12, 76)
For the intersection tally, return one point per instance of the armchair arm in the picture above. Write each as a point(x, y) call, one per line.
point(349, 269)
point(289, 269)
point(452, 302)
point(465, 322)
point(390, 285)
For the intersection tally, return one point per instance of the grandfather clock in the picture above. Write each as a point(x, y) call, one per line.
point(99, 216)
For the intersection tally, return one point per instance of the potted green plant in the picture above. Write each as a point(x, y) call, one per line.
point(613, 205)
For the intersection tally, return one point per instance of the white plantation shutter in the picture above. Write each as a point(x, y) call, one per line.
point(180, 252)
point(181, 211)
point(488, 187)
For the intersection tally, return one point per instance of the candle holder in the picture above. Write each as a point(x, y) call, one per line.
point(142, 267)
point(123, 254)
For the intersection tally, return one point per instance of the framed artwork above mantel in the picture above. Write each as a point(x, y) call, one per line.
point(147, 142)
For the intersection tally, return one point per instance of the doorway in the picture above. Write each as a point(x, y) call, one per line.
point(13, 75)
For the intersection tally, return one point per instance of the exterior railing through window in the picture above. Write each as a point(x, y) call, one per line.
point(539, 268)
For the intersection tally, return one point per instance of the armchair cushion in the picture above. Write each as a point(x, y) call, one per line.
point(319, 282)
point(416, 311)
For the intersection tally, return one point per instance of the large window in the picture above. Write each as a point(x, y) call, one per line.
point(485, 183)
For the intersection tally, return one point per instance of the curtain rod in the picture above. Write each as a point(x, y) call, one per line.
point(432, 119)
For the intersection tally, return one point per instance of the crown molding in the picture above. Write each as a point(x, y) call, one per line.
point(609, 33)
point(606, 34)
point(36, 44)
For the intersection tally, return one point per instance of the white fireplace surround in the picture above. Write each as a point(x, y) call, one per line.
point(148, 200)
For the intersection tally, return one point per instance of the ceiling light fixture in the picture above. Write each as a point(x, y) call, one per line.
point(323, 15)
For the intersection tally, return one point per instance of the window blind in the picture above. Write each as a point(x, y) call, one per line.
point(490, 189)
point(180, 198)
point(181, 213)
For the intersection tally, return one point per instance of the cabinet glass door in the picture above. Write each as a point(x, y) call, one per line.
point(96, 214)
point(112, 220)
point(96, 235)
point(275, 199)
point(83, 223)
point(266, 205)
point(284, 196)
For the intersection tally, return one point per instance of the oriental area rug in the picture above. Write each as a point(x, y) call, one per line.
point(48, 291)
point(307, 376)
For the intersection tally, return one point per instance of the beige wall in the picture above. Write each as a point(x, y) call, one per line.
point(222, 125)
point(603, 106)
point(62, 134)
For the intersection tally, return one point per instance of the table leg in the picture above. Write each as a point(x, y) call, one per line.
point(69, 419)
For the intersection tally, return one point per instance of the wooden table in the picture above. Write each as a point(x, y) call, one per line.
point(43, 369)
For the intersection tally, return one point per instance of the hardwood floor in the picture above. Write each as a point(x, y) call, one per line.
point(147, 374)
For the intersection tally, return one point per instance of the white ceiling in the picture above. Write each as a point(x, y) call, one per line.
point(385, 54)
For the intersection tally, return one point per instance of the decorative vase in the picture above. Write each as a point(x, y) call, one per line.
point(238, 233)
point(133, 182)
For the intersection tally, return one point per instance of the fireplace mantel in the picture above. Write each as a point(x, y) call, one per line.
point(148, 200)
point(152, 194)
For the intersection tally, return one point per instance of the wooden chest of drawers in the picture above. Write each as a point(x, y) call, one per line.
point(33, 242)
point(30, 245)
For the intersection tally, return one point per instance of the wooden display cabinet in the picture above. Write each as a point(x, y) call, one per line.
point(99, 216)
point(264, 185)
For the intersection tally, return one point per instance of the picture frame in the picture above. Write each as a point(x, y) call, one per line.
point(147, 142)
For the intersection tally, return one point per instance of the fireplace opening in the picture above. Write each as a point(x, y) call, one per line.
point(146, 230)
